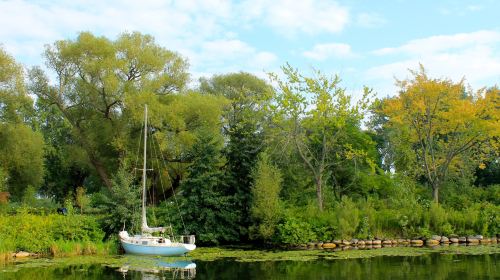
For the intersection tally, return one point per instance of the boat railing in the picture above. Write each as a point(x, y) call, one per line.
point(187, 239)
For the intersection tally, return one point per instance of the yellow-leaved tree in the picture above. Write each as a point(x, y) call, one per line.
point(445, 126)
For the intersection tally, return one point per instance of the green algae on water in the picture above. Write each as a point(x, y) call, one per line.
point(249, 255)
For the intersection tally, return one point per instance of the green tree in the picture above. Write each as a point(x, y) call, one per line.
point(29, 196)
point(353, 171)
point(66, 163)
point(121, 204)
point(94, 76)
point(266, 208)
point(445, 126)
point(175, 122)
point(3, 180)
point(243, 121)
point(21, 156)
point(312, 114)
point(15, 104)
point(81, 199)
point(21, 148)
point(205, 209)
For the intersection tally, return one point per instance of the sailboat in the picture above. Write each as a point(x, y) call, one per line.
point(145, 243)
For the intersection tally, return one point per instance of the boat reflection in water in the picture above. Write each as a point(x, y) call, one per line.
point(161, 270)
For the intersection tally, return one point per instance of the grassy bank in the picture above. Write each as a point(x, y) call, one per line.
point(54, 235)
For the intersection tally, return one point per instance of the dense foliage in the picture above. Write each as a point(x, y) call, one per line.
point(442, 127)
point(48, 234)
point(205, 209)
point(266, 203)
point(236, 158)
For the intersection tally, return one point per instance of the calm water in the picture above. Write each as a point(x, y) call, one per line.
point(433, 266)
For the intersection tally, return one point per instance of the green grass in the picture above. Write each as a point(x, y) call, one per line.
point(56, 235)
point(62, 248)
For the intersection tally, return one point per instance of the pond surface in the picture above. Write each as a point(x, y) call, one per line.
point(433, 265)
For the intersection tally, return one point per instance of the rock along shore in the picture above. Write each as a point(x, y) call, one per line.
point(434, 240)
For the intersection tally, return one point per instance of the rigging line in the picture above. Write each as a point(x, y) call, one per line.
point(160, 176)
point(134, 209)
point(173, 191)
point(136, 165)
point(159, 167)
point(151, 189)
point(138, 149)
point(161, 184)
point(159, 170)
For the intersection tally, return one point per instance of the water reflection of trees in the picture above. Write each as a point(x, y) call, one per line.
point(434, 266)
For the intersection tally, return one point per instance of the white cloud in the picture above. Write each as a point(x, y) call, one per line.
point(443, 43)
point(226, 49)
point(460, 10)
point(229, 55)
point(325, 51)
point(475, 56)
point(290, 16)
point(199, 30)
point(265, 59)
point(474, 8)
point(44, 22)
point(370, 20)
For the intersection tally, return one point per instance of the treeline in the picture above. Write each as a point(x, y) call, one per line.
point(290, 159)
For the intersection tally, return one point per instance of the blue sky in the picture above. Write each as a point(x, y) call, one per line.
point(365, 42)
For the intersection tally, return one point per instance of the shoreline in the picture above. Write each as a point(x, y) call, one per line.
point(328, 246)
point(208, 254)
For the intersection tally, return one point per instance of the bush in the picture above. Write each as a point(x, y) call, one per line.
point(368, 225)
point(323, 223)
point(121, 204)
point(347, 217)
point(266, 205)
point(293, 231)
point(407, 218)
point(488, 222)
point(388, 223)
point(424, 232)
point(437, 218)
point(37, 234)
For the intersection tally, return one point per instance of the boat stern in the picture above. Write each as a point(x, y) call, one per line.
point(123, 235)
point(189, 247)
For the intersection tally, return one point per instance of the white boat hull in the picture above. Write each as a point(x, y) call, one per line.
point(154, 246)
point(173, 249)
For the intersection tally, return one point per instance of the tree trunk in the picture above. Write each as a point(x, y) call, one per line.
point(101, 171)
point(435, 193)
point(319, 195)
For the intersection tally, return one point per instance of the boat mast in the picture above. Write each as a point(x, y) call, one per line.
point(144, 221)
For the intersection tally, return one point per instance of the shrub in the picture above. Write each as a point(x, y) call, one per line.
point(368, 225)
point(293, 231)
point(388, 223)
point(424, 232)
point(437, 218)
point(121, 204)
point(81, 199)
point(265, 209)
point(488, 222)
point(347, 217)
point(37, 234)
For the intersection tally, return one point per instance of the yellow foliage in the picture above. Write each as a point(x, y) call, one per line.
point(443, 121)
